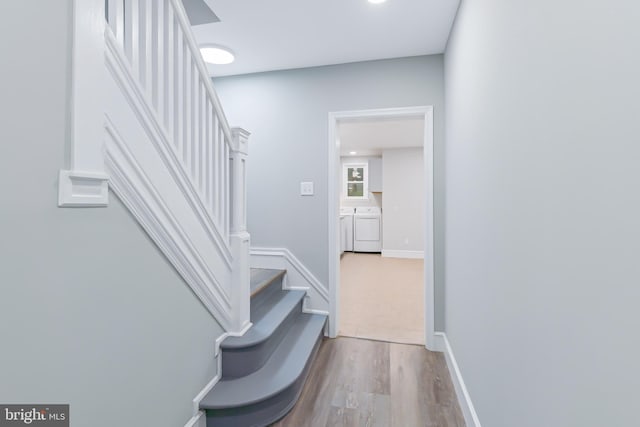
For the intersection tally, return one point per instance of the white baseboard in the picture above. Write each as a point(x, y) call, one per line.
point(207, 388)
point(222, 337)
point(198, 420)
point(218, 343)
point(298, 276)
point(390, 253)
point(314, 311)
point(439, 343)
point(468, 411)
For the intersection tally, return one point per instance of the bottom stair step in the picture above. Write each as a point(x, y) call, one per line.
point(267, 394)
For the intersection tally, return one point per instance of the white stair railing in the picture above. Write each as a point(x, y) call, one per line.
point(149, 51)
point(156, 38)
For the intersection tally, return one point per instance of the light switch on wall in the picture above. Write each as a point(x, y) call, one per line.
point(306, 188)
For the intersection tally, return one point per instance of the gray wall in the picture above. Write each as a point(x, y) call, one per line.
point(91, 313)
point(403, 200)
point(543, 208)
point(287, 113)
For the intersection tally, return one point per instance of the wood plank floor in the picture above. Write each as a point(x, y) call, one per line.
point(357, 382)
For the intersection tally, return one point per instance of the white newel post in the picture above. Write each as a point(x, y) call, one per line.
point(84, 183)
point(240, 239)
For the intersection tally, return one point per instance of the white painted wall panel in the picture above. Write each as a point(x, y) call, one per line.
point(403, 200)
point(542, 208)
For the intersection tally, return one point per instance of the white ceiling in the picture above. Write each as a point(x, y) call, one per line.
point(284, 34)
point(370, 137)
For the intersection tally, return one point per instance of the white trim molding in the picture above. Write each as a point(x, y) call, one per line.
point(298, 277)
point(199, 418)
point(218, 343)
point(87, 85)
point(205, 390)
point(464, 399)
point(138, 193)
point(391, 253)
point(333, 212)
point(86, 189)
point(83, 183)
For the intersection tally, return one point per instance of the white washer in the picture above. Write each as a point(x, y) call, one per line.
point(367, 229)
point(346, 233)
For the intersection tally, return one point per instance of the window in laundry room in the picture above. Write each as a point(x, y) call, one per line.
point(355, 178)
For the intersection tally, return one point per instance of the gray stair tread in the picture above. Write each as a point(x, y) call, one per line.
point(263, 302)
point(284, 366)
point(266, 317)
point(262, 277)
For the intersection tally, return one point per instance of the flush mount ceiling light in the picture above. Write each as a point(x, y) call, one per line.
point(377, 1)
point(353, 153)
point(218, 55)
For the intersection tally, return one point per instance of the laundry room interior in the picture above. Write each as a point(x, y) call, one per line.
point(382, 216)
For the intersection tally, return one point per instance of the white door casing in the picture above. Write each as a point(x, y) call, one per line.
point(333, 213)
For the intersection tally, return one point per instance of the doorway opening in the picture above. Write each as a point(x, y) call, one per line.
point(381, 224)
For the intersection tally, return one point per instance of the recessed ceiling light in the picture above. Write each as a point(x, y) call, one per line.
point(217, 55)
point(353, 153)
point(377, 1)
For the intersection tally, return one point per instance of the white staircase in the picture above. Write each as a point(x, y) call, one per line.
point(146, 122)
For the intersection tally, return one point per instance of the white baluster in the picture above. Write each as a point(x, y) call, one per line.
point(169, 66)
point(110, 14)
point(220, 163)
point(227, 189)
point(195, 155)
point(131, 34)
point(146, 46)
point(193, 164)
point(199, 146)
point(115, 14)
point(178, 79)
point(119, 22)
point(215, 155)
point(207, 152)
point(186, 104)
point(203, 138)
point(158, 69)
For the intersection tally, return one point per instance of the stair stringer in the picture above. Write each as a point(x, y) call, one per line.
point(139, 164)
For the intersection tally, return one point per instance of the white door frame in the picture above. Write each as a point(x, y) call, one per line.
point(333, 213)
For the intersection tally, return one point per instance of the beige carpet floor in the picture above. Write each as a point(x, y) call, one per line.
point(382, 298)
